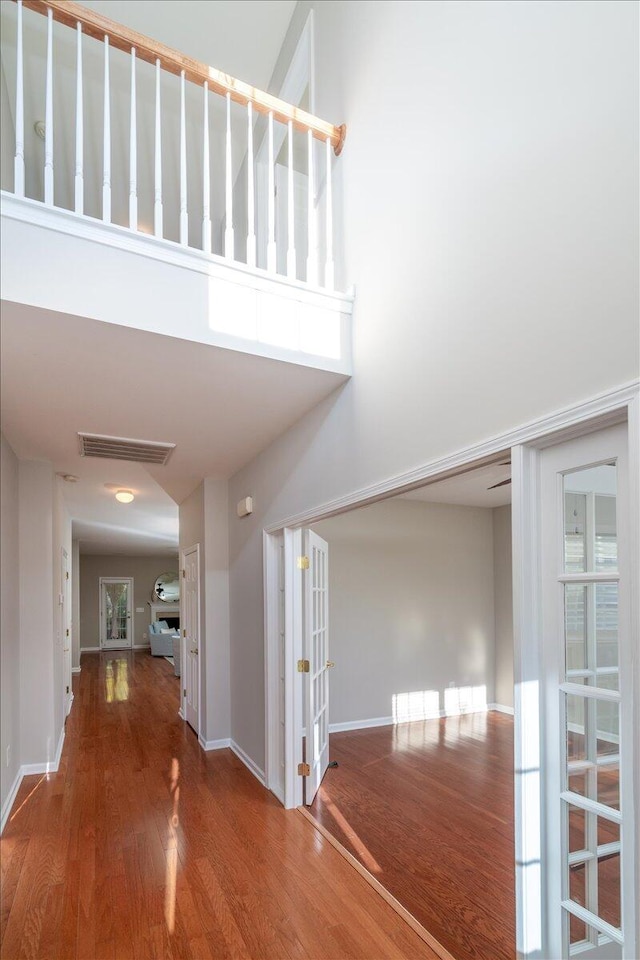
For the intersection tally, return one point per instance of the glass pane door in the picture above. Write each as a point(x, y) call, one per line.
point(590, 712)
point(115, 610)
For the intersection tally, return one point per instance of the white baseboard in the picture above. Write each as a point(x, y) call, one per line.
point(76, 669)
point(182, 717)
point(248, 762)
point(27, 770)
point(89, 650)
point(390, 721)
point(214, 744)
point(500, 708)
point(141, 646)
point(70, 704)
point(11, 796)
point(361, 724)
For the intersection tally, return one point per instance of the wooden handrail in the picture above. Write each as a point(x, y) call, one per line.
point(122, 38)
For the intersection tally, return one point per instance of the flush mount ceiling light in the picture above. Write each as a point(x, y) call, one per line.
point(124, 496)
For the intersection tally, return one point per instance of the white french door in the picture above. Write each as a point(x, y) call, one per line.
point(587, 698)
point(190, 620)
point(316, 652)
point(116, 600)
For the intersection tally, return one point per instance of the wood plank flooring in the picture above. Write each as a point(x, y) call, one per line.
point(143, 846)
point(427, 808)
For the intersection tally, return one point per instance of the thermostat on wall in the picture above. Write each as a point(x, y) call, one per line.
point(245, 507)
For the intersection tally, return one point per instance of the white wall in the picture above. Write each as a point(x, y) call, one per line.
point(489, 181)
point(39, 647)
point(503, 605)
point(9, 621)
point(217, 654)
point(411, 611)
point(144, 570)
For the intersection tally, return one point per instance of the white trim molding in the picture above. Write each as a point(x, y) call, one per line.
point(76, 669)
point(10, 799)
point(248, 762)
point(89, 650)
point(603, 410)
point(214, 744)
point(361, 724)
point(28, 770)
point(500, 708)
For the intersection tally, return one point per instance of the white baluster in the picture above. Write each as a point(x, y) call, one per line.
point(79, 171)
point(206, 184)
point(271, 217)
point(312, 244)
point(291, 243)
point(133, 149)
point(106, 154)
point(184, 217)
point(157, 205)
point(329, 268)
point(251, 217)
point(228, 233)
point(18, 163)
point(48, 116)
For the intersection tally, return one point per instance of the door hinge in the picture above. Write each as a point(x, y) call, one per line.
point(184, 633)
point(67, 633)
point(304, 770)
point(184, 574)
point(303, 666)
point(67, 573)
point(303, 563)
point(184, 692)
point(67, 689)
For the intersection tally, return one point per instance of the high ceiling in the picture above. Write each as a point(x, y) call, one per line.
point(470, 489)
point(63, 374)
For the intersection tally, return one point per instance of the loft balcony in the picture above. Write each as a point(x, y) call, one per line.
point(188, 203)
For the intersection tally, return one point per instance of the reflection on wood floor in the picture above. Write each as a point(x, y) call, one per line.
point(427, 808)
point(144, 846)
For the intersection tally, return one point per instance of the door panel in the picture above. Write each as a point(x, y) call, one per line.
point(316, 647)
point(588, 760)
point(190, 619)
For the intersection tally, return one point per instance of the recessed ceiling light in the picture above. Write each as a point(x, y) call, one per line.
point(124, 496)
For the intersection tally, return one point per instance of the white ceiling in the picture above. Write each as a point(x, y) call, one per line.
point(63, 374)
point(470, 489)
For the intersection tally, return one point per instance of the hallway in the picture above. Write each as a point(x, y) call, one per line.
point(144, 846)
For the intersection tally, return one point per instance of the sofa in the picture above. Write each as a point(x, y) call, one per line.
point(161, 639)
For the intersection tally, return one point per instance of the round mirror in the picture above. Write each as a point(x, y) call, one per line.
point(167, 588)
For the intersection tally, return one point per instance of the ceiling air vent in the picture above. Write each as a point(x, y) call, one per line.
point(123, 448)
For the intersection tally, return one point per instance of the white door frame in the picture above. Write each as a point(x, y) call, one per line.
point(183, 645)
point(532, 922)
point(525, 442)
point(130, 629)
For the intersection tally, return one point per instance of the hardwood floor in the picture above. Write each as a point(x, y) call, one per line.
point(427, 808)
point(143, 846)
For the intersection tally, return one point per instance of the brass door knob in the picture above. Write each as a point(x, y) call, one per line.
point(330, 663)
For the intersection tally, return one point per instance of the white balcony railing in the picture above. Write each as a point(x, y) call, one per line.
point(138, 135)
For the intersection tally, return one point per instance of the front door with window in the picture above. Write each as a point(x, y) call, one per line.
point(116, 598)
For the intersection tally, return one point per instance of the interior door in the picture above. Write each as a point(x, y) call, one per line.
point(190, 619)
point(588, 697)
point(65, 632)
point(316, 651)
point(116, 597)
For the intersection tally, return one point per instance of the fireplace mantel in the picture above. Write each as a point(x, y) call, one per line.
point(160, 610)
